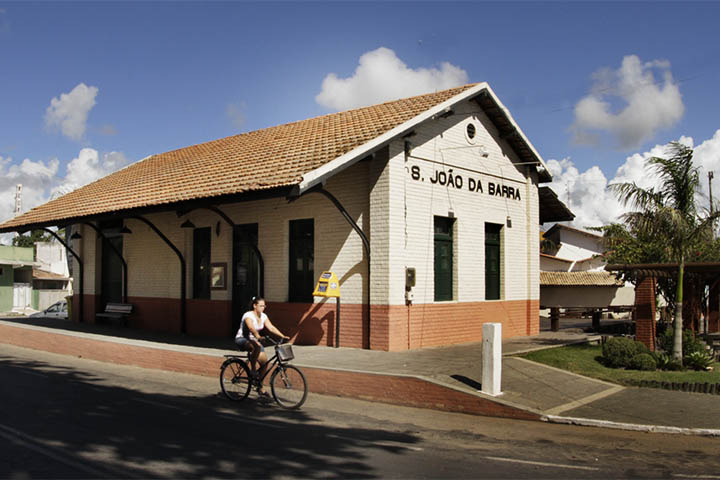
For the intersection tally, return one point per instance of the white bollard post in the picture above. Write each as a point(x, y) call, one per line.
point(491, 358)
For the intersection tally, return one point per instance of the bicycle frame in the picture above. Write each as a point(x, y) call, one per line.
point(271, 364)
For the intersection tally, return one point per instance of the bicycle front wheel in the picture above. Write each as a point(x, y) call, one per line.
point(289, 387)
point(235, 380)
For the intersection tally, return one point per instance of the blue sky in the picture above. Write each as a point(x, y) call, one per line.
point(88, 87)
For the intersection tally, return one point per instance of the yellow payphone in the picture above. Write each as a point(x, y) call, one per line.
point(328, 286)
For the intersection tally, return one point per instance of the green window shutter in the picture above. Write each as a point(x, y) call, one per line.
point(443, 228)
point(492, 261)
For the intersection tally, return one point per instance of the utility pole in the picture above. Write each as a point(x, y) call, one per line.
point(18, 199)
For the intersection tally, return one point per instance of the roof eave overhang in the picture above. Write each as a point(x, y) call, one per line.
point(182, 206)
point(321, 174)
point(19, 263)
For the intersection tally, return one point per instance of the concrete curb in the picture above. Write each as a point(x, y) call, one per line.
point(592, 339)
point(589, 422)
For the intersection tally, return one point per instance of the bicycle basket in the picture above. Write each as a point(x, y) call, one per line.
point(284, 352)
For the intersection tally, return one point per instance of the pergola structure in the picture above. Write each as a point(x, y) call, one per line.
point(646, 275)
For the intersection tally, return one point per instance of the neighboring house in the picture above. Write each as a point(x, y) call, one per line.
point(574, 276)
point(30, 281)
point(51, 279)
point(427, 209)
point(16, 268)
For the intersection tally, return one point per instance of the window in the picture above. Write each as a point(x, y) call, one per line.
point(302, 254)
point(201, 263)
point(492, 261)
point(443, 229)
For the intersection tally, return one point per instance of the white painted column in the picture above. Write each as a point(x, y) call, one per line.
point(491, 358)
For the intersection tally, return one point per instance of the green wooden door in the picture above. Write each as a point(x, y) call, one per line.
point(492, 261)
point(443, 259)
point(302, 256)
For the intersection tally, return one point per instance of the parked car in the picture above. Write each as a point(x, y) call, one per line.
point(56, 310)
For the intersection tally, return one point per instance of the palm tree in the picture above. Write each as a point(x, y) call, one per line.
point(669, 212)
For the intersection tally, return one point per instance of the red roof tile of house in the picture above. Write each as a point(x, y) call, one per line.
point(579, 279)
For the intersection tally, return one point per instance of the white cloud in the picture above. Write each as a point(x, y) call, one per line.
point(594, 205)
point(40, 180)
point(69, 113)
point(381, 76)
point(87, 167)
point(648, 105)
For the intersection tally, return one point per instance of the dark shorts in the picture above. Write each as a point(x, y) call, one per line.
point(243, 342)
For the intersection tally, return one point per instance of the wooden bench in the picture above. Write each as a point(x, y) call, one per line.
point(115, 313)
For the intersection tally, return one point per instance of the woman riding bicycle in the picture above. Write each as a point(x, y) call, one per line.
point(253, 325)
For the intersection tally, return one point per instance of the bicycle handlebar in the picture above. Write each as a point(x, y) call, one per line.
point(273, 341)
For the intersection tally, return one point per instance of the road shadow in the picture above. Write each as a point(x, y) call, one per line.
point(178, 434)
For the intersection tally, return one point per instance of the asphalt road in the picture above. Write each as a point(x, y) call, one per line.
point(67, 417)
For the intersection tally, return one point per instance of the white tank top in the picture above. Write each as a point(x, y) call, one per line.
point(258, 324)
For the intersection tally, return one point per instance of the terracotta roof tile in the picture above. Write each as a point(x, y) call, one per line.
point(264, 159)
point(579, 279)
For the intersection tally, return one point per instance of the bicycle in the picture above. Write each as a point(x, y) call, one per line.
point(287, 382)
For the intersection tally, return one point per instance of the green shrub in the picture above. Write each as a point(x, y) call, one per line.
point(698, 360)
point(643, 361)
point(689, 342)
point(619, 351)
point(662, 360)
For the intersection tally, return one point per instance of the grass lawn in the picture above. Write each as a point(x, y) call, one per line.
point(581, 359)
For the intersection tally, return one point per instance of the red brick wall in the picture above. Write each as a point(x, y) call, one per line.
point(645, 312)
point(314, 323)
point(211, 318)
point(431, 325)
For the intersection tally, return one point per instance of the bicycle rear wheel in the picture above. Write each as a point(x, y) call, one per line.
point(235, 380)
point(289, 387)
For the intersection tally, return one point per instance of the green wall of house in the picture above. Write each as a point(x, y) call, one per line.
point(23, 254)
point(6, 287)
point(7, 277)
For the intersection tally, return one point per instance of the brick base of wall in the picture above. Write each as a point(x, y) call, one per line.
point(397, 390)
point(393, 327)
point(432, 325)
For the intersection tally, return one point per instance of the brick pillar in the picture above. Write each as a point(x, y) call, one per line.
point(714, 310)
point(645, 312)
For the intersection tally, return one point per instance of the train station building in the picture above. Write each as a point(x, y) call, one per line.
point(427, 209)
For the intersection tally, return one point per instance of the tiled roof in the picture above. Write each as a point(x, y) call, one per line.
point(39, 274)
point(579, 279)
point(255, 161)
point(553, 257)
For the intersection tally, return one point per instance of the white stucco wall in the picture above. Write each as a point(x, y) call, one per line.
point(52, 258)
point(413, 200)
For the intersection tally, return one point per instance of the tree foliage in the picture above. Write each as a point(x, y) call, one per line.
point(664, 225)
point(31, 238)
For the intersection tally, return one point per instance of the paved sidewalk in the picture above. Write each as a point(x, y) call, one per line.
point(442, 377)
